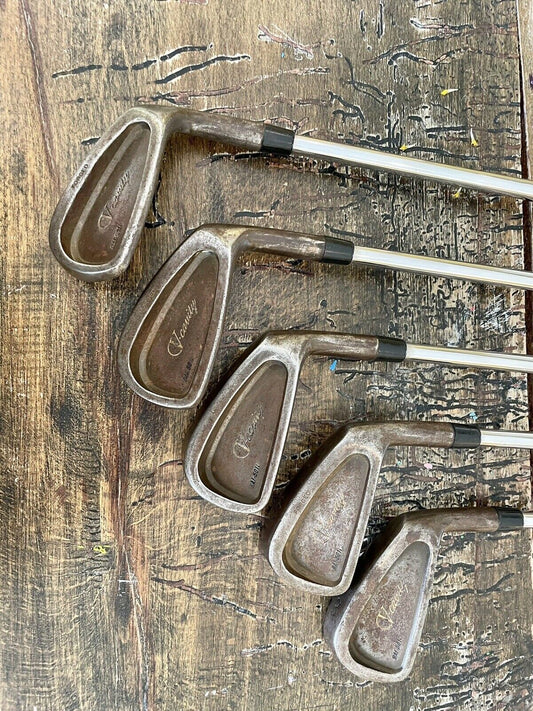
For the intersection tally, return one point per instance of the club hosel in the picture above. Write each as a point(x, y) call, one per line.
point(220, 128)
point(352, 346)
point(297, 245)
point(339, 345)
point(418, 434)
point(480, 519)
point(283, 242)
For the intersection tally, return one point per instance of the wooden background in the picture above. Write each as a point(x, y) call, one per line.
point(121, 589)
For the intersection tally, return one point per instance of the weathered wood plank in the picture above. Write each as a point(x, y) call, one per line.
point(121, 588)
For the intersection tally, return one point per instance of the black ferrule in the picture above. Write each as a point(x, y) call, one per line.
point(465, 436)
point(510, 519)
point(391, 349)
point(277, 140)
point(337, 251)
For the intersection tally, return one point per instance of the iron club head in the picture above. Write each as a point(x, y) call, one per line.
point(169, 343)
point(99, 218)
point(316, 542)
point(234, 452)
point(375, 627)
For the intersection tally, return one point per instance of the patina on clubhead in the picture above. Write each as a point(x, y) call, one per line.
point(316, 542)
point(99, 218)
point(169, 343)
point(375, 627)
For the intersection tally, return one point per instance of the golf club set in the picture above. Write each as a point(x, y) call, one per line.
point(168, 348)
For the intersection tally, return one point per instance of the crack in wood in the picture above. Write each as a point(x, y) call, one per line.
point(200, 66)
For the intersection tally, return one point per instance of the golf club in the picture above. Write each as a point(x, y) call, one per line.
point(169, 344)
point(99, 218)
point(316, 542)
point(375, 627)
point(235, 449)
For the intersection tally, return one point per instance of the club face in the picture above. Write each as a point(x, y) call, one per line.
point(316, 542)
point(375, 627)
point(233, 454)
point(99, 218)
point(169, 343)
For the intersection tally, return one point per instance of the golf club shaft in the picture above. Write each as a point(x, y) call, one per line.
point(340, 251)
point(468, 358)
point(502, 438)
point(413, 167)
point(443, 267)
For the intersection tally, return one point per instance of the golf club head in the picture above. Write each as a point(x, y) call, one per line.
point(169, 343)
point(99, 218)
point(232, 455)
point(234, 452)
point(316, 542)
point(375, 627)
point(168, 346)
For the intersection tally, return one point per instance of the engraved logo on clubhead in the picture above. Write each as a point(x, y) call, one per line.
point(175, 344)
point(241, 448)
point(384, 618)
point(106, 217)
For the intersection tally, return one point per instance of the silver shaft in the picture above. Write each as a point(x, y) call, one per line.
point(443, 267)
point(413, 167)
point(528, 519)
point(503, 438)
point(470, 359)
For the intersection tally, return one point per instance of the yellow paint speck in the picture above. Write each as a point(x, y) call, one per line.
point(101, 550)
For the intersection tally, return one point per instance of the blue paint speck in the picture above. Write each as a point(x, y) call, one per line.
point(333, 366)
point(473, 416)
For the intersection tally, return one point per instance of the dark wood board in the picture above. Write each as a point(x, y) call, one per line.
point(121, 589)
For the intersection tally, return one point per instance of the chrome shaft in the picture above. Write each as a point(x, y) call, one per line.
point(413, 167)
point(503, 438)
point(528, 519)
point(468, 358)
point(443, 267)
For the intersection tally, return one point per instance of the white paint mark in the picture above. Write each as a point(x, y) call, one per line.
point(215, 692)
point(16, 289)
point(280, 37)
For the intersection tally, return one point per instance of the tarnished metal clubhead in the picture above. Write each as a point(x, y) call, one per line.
point(99, 218)
point(234, 452)
point(375, 627)
point(317, 540)
point(167, 349)
point(168, 346)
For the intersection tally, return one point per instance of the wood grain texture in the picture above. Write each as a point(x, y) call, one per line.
point(120, 588)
